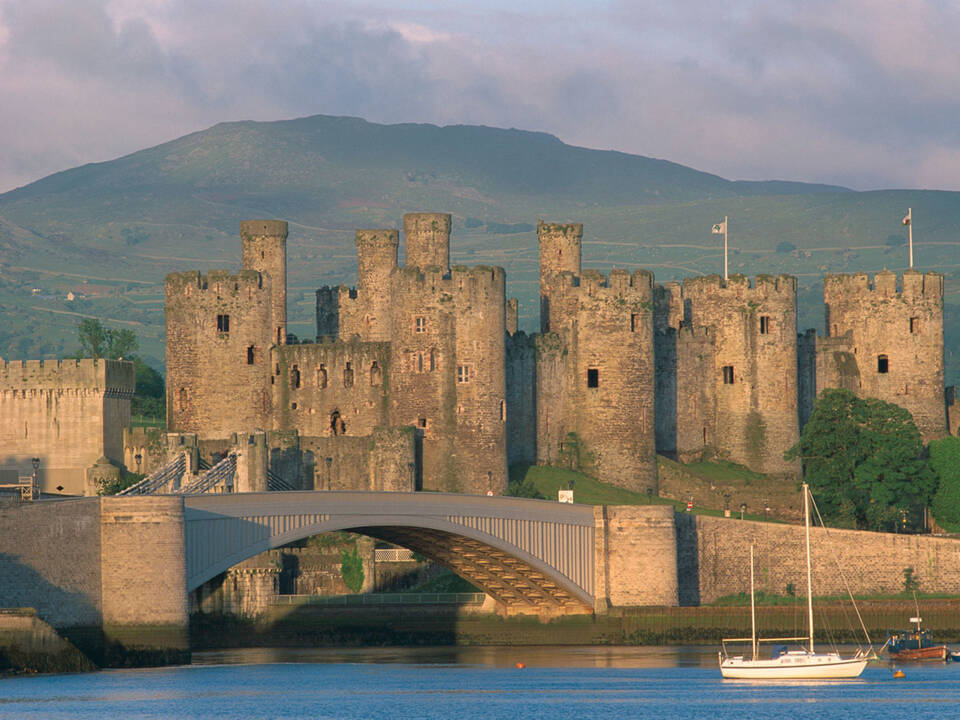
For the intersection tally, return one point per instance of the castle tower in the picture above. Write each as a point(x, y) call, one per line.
point(265, 250)
point(220, 328)
point(886, 342)
point(428, 240)
point(745, 405)
point(376, 261)
point(559, 254)
point(595, 365)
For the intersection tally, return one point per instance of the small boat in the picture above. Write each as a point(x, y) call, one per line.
point(915, 644)
point(805, 664)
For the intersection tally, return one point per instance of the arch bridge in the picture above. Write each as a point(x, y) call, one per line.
point(526, 554)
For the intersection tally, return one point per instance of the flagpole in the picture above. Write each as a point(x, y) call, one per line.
point(726, 225)
point(910, 234)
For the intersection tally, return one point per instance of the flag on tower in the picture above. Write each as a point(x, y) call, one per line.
point(907, 218)
point(720, 228)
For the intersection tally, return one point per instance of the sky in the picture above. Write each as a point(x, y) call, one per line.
point(862, 93)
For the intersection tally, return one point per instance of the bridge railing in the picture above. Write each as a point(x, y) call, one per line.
point(382, 599)
point(393, 555)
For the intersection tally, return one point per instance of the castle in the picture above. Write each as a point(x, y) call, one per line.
point(420, 379)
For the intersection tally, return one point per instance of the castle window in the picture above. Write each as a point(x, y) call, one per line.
point(184, 399)
point(463, 373)
point(294, 378)
point(293, 406)
point(420, 324)
point(348, 376)
point(322, 376)
point(593, 377)
point(433, 361)
point(250, 354)
point(374, 373)
point(728, 374)
point(914, 325)
point(223, 323)
point(634, 322)
point(422, 423)
point(503, 411)
point(883, 364)
point(764, 324)
point(337, 426)
point(419, 362)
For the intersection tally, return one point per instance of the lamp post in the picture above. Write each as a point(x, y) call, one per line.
point(743, 509)
point(139, 458)
point(35, 485)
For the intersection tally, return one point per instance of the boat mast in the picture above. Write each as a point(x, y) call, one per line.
point(806, 524)
point(753, 611)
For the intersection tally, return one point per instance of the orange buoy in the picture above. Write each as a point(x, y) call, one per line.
point(899, 674)
point(520, 666)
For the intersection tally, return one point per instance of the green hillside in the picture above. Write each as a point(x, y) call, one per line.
point(110, 231)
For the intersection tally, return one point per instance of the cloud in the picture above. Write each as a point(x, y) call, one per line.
point(860, 92)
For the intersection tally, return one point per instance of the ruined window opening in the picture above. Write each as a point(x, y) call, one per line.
point(294, 377)
point(337, 426)
point(503, 411)
point(420, 324)
point(704, 436)
point(419, 362)
point(293, 406)
point(634, 322)
point(728, 374)
point(223, 323)
point(914, 325)
point(250, 354)
point(263, 254)
point(422, 422)
point(906, 389)
point(433, 361)
point(348, 376)
point(374, 373)
point(835, 330)
point(463, 373)
point(593, 377)
point(279, 336)
point(322, 376)
point(883, 364)
point(764, 324)
point(276, 370)
point(183, 399)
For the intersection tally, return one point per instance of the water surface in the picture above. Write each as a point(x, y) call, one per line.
point(578, 682)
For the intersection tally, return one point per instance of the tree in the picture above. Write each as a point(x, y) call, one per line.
point(864, 461)
point(945, 463)
point(97, 341)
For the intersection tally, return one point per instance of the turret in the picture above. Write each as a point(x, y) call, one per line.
point(428, 240)
point(265, 250)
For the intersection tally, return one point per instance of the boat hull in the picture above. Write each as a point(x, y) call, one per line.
point(937, 652)
point(812, 668)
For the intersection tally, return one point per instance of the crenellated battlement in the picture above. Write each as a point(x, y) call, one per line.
point(216, 282)
point(560, 247)
point(912, 284)
point(427, 237)
point(480, 280)
point(85, 374)
point(741, 286)
point(619, 283)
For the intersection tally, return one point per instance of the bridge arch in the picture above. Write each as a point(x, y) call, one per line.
point(523, 553)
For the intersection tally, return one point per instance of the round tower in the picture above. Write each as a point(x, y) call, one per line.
point(559, 247)
point(376, 261)
point(428, 240)
point(265, 250)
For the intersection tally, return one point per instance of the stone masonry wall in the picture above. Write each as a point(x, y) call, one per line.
point(331, 387)
point(892, 342)
point(636, 556)
point(754, 377)
point(265, 251)
point(218, 381)
point(68, 413)
point(521, 385)
point(50, 560)
point(871, 562)
point(144, 567)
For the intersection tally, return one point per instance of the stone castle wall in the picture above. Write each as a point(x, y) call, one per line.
point(67, 413)
point(714, 557)
point(218, 352)
point(745, 404)
point(264, 245)
point(521, 389)
point(885, 340)
point(595, 364)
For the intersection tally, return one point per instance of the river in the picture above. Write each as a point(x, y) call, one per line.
point(459, 683)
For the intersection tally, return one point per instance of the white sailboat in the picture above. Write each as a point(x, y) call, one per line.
point(805, 664)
